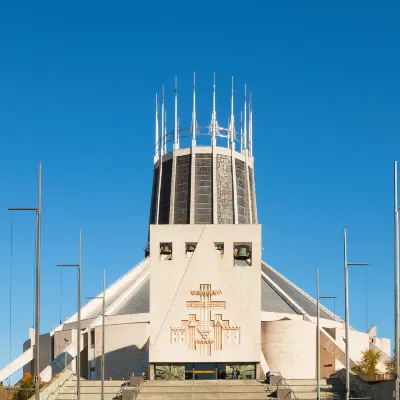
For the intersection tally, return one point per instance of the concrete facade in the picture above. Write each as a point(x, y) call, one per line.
point(188, 326)
point(290, 348)
point(126, 349)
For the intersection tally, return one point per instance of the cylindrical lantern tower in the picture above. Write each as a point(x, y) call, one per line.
point(207, 184)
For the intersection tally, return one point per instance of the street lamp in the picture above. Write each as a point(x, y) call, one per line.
point(396, 284)
point(319, 338)
point(346, 300)
point(103, 332)
point(38, 210)
point(78, 345)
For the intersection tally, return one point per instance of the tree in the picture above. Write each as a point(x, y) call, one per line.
point(369, 361)
point(390, 366)
point(5, 394)
point(27, 382)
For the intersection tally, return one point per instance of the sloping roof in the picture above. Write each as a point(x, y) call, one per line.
point(305, 301)
point(137, 302)
point(271, 301)
point(114, 291)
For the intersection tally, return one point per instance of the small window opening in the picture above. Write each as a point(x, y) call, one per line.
point(166, 251)
point(219, 247)
point(92, 338)
point(189, 249)
point(242, 254)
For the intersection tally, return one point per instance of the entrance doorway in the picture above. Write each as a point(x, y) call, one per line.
point(204, 371)
point(211, 371)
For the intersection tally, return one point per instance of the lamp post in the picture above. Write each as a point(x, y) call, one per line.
point(346, 300)
point(38, 210)
point(396, 284)
point(78, 344)
point(103, 332)
point(319, 338)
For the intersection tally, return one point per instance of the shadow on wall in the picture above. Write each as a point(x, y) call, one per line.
point(121, 363)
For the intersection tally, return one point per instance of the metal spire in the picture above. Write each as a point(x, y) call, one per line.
point(194, 122)
point(245, 120)
point(165, 132)
point(250, 128)
point(162, 123)
point(241, 131)
point(232, 127)
point(214, 115)
point(176, 139)
point(157, 133)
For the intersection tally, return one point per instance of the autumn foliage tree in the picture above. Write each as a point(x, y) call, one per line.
point(369, 362)
point(27, 382)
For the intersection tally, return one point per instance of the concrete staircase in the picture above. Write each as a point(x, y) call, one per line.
point(90, 390)
point(306, 389)
point(203, 390)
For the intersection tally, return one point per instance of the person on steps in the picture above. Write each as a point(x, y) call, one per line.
point(268, 377)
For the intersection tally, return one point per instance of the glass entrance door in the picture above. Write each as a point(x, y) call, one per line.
point(205, 371)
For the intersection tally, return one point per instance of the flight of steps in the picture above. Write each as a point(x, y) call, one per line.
point(90, 390)
point(306, 389)
point(203, 390)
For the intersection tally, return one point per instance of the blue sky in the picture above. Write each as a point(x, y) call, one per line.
point(77, 87)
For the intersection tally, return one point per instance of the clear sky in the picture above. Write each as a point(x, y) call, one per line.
point(77, 87)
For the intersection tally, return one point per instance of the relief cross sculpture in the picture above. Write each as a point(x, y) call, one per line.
point(208, 331)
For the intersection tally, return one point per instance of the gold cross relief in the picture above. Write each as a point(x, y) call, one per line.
point(206, 331)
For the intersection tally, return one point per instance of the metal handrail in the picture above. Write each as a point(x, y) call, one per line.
point(358, 389)
point(135, 388)
point(285, 383)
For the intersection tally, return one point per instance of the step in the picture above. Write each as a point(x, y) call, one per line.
point(201, 396)
point(203, 389)
point(190, 382)
point(96, 383)
point(324, 396)
point(325, 388)
point(93, 389)
point(306, 382)
point(87, 396)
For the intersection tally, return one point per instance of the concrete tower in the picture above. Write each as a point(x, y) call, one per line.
point(212, 184)
point(204, 246)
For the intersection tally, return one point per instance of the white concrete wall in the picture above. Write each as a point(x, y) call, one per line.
point(383, 344)
point(63, 339)
point(173, 280)
point(327, 363)
point(358, 342)
point(125, 349)
point(290, 348)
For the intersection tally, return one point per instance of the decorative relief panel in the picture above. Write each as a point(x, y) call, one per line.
point(204, 331)
point(252, 196)
point(241, 187)
point(224, 189)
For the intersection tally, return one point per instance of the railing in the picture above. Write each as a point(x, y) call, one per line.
point(359, 390)
point(284, 383)
point(134, 384)
point(379, 377)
